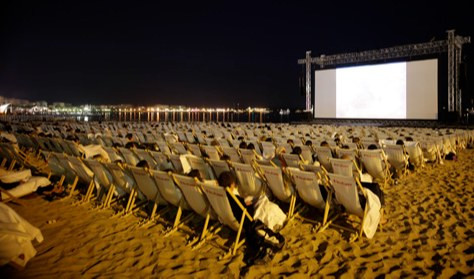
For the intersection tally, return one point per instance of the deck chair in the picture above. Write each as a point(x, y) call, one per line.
point(324, 153)
point(247, 155)
point(190, 137)
point(124, 184)
point(146, 184)
point(176, 162)
point(103, 178)
point(198, 202)
point(159, 157)
point(307, 185)
point(201, 165)
point(130, 158)
point(164, 148)
point(343, 166)
point(212, 152)
point(306, 153)
point(281, 189)
point(142, 154)
point(430, 151)
point(249, 183)
point(112, 154)
point(218, 167)
point(70, 175)
point(172, 195)
point(232, 153)
point(415, 153)
point(376, 165)
point(85, 175)
point(268, 150)
point(218, 199)
point(291, 160)
point(74, 148)
point(195, 149)
point(397, 158)
point(347, 190)
point(178, 148)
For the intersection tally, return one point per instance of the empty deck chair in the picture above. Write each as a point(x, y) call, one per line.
point(247, 155)
point(199, 164)
point(104, 179)
point(142, 154)
point(343, 166)
point(281, 188)
point(112, 154)
point(376, 165)
point(197, 200)
point(291, 160)
point(85, 175)
point(146, 184)
point(218, 166)
point(218, 199)
point(159, 157)
point(268, 150)
point(130, 158)
point(232, 153)
point(124, 183)
point(212, 152)
point(195, 149)
point(178, 148)
point(415, 153)
point(249, 183)
point(307, 184)
point(324, 153)
point(176, 162)
point(347, 190)
point(397, 158)
point(164, 148)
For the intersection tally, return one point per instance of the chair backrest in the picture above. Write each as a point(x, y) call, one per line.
point(81, 170)
point(159, 157)
point(274, 177)
point(247, 155)
point(248, 184)
point(307, 185)
point(373, 162)
point(146, 184)
point(190, 137)
point(168, 189)
point(342, 166)
point(130, 158)
point(201, 165)
point(415, 152)
point(347, 193)
point(178, 148)
point(121, 178)
point(268, 150)
point(142, 154)
point(219, 167)
point(113, 155)
point(291, 160)
point(176, 162)
point(101, 173)
point(396, 156)
point(218, 199)
point(232, 153)
point(164, 148)
point(212, 152)
point(352, 153)
point(194, 148)
point(324, 153)
point(193, 195)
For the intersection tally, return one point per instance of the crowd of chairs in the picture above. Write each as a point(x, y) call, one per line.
point(297, 166)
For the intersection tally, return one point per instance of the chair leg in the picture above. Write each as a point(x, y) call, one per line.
point(73, 186)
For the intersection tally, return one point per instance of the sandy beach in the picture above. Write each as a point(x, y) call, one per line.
point(430, 232)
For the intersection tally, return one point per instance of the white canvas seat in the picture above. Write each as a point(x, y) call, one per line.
point(218, 166)
point(249, 183)
point(199, 164)
point(396, 157)
point(164, 148)
point(146, 185)
point(212, 152)
point(217, 197)
point(376, 165)
point(142, 154)
point(232, 153)
point(178, 148)
point(124, 183)
point(415, 153)
point(347, 190)
point(195, 149)
point(324, 153)
point(176, 162)
point(190, 137)
point(247, 155)
point(130, 158)
point(85, 175)
point(112, 154)
point(280, 188)
point(291, 160)
point(308, 187)
point(104, 178)
point(342, 166)
point(268, 150)
point(159, 157)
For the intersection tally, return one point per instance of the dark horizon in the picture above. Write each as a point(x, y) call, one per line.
point(200, 54)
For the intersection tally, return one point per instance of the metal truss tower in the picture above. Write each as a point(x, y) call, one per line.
point(453, 46)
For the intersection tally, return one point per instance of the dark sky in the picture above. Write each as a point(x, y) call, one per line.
point(200, 54)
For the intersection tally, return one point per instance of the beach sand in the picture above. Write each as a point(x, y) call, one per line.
point(430, 232)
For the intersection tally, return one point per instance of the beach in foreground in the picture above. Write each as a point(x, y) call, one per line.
point(430, 232)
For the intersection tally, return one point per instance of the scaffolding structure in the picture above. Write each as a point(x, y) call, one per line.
point(452, 45)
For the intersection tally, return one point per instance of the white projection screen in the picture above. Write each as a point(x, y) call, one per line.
point(402, 90)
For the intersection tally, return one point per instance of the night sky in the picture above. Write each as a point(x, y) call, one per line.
point(200, 54)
